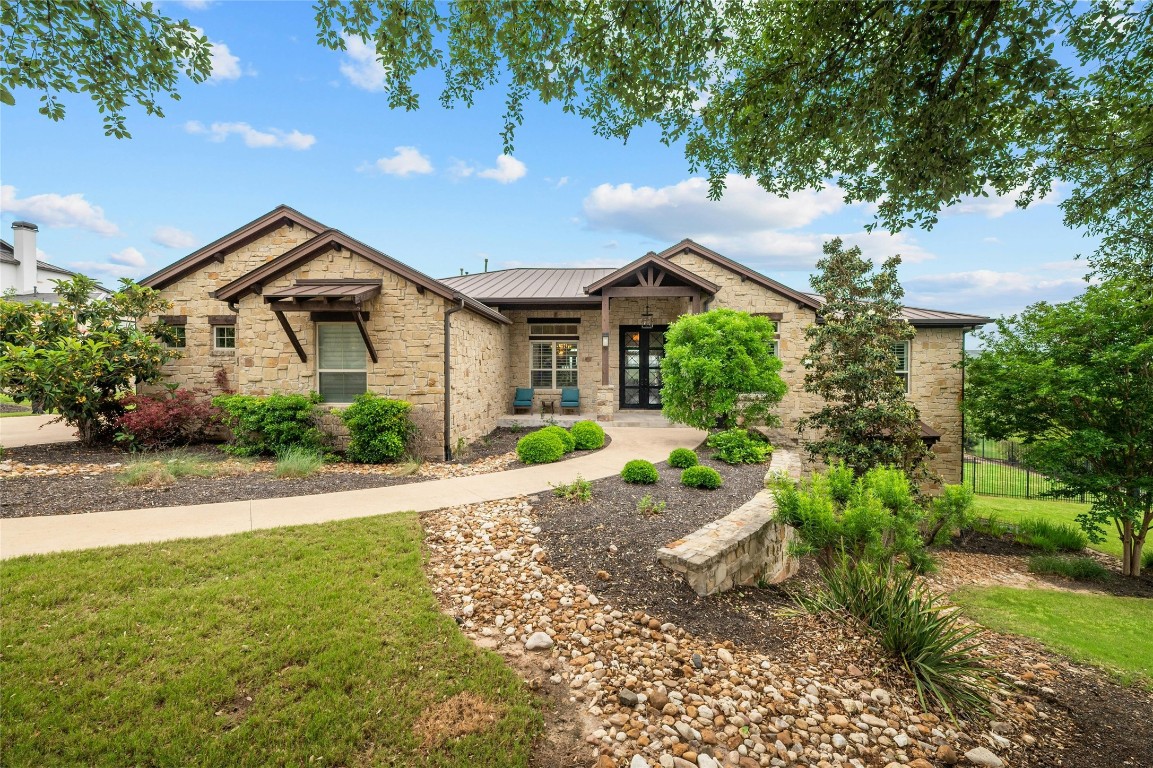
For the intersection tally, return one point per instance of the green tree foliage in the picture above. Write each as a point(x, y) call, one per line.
point(865, 420)
point(909, 104)
point(81, 356)
point(1074, 381)
point(117, 52)
point(719, 370)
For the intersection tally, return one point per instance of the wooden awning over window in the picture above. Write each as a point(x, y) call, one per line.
point(327, 296)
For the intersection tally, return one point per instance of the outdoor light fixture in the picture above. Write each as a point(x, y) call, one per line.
point(604, 339)
point(646, 317)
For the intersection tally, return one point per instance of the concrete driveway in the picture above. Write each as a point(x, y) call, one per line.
point(34, 535)
point(16, 431)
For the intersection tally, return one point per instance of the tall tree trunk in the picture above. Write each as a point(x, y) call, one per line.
point(1127, 549)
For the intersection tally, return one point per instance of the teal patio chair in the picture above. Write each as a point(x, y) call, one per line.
point(523, 399)
point(570, 398)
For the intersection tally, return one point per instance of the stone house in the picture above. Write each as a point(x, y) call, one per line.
point(285, 304)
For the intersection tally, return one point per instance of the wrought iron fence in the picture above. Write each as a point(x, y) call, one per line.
point(994, 468)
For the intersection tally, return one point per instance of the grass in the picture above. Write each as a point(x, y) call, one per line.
point(1110, 632)
point(1076, 568)
point(165, 469)
point(1051, 535)
point(298, 462)
point(1016, 510)
point(316, 645)
point(1004, 480)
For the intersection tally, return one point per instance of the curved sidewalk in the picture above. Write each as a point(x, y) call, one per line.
point(36, 535)
point(16, 431)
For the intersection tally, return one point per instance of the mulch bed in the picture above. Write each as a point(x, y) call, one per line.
point(34, 496)
point(609, 534)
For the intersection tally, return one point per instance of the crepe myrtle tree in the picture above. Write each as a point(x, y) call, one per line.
point(1074, 382)
point(79, 357)
point(864, 418)
point(719, 370)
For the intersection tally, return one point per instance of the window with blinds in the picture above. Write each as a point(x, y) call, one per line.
point(901, 355)
point(340, 362)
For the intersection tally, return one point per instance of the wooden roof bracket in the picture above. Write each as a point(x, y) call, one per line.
point(292, 336)
point(364, 335)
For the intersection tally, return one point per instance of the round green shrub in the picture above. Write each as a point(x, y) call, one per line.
point(566, 438)
point(640, 472)
point(588, 435)
point(683, 458)
point(701, 477)
point(539, 447)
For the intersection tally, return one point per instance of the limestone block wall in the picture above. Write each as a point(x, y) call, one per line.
point(935, 383)
point(744, 547)
point(190, 298)
point(481, 393)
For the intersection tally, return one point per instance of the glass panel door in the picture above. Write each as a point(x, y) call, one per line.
point(642, 350)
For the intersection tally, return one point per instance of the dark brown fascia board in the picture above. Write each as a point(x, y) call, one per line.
point(553, 303)
point(740, 269)
point(332, 238)
point(173, 272)
point(652, 258)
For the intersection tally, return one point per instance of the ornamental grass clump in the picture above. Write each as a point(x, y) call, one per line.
point(705, 478)
point(1076, 568)
point(640, 472)
point(588, 435)
point(563, 434)
point(683, 458)
point(1050, 536)
point(939, 652)
point(296, 463)
point(539, 447)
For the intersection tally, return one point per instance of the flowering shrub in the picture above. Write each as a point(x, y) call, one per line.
point(172, 418)
point(79, 357)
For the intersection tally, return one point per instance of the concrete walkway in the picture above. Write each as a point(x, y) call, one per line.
point(16, 431)
point(35, 535)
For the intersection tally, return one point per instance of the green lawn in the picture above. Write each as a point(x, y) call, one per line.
point(1012, 510)
point(317, 645)
point(1111, 632)
point(1004, 480)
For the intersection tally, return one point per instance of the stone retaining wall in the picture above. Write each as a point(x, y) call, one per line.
point(744, 547)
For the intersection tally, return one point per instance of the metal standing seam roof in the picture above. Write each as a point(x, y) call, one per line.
point(530, 284)
point(922, 316)
point(357, 290)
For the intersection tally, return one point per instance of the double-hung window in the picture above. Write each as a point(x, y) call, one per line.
point(224, 337)
point(340, 362)
point(555, 347)
point(901, 356)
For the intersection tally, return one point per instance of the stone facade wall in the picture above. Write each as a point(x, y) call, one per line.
point(190, 298)
point(481, 393)
point(934, 382)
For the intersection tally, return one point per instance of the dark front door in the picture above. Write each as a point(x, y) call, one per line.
point(642, 350)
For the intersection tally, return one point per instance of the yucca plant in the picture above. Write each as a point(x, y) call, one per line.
point(938, 651)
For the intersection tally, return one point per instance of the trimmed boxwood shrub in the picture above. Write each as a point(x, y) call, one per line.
point(566, 439)
point(701, 477)
point(271, 425)
point(588, 435)
point(737, 446)
point(379, 428)
point(640, 472)
point(540, 447)
point(683, 458)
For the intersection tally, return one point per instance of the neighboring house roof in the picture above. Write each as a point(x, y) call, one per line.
point(217, 248)
point(530, 285)
point(8, 256)
point(331, 239)
point(918, 316)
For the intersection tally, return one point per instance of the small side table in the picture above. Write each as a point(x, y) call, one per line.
point(549, 405)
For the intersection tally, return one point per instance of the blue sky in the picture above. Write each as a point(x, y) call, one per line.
point(284, 120)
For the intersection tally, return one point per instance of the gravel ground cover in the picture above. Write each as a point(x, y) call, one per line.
point(65, 478)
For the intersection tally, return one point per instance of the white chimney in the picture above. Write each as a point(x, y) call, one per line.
point(24, 249)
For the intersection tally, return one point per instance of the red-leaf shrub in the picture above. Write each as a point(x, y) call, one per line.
point(176, 417)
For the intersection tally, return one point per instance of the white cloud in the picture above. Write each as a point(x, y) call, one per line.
point(747, 223)
point(459, 169)
point(507, 170)
point(273, 137)
point(171, 237)
point(196, 5)
point(994, 206)
point(360, 65)
point(406, 161)
point(557, 183)
point(127, 262)
point(53, 210)
point(991, 240)
point(993, 292)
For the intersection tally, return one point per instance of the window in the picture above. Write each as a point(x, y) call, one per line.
point(901, 355)
point(177, 338)
point(340, 362)
point(558, 330)
point(554, 364)
point(224, 337)
point(774, 319)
